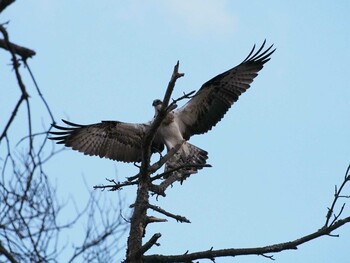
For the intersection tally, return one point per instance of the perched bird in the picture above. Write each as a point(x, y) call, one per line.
point(122, 141)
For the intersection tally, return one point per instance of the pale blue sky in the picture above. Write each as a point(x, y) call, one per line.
point(276, 155)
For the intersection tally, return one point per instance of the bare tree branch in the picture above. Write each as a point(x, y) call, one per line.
point(153, 168)
point(185, 96)
point(102, 229)
point(336, 198)
point(7, 254)
point(23, 52)
point(139, 218)
point(174, 177)
point(29, 209)
point(40, 93)
point(130, 180)
point(24, 96)
point(178, 218)
point(150, 243)
point(211, 254)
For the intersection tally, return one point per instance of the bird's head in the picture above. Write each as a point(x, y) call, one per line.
point(157, 104)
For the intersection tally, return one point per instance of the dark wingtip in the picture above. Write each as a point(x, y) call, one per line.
point(72, 124)
point(260, 55)
point(61, 133)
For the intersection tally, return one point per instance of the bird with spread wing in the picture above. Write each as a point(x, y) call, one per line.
point(122, 141)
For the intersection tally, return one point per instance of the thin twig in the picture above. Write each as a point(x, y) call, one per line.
point(336, 197)
point(178, 218)
point(185, 96)
point(40, 93)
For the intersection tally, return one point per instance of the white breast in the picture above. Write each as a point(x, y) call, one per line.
point(170, 133)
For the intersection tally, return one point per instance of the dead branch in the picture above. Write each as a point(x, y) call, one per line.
point(150, 243)
point(157, 165)
point(21, 85)
point(172, 105)
point(153, 219)
point(131, 180)
point(337, 194)
point(178, 218)
point(23, 52)
point(139, 218)
point(115, 186)
point(40, 93)
point(232, 252)
point(174, 177)
point(7, 254)
point(29, 207)
point(326, 230)
point(104, 229)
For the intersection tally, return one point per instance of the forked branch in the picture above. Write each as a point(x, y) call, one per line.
point(133, 180)
point(139, 218)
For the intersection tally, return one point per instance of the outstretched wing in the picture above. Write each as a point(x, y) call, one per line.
point(215, 97)
point(110, 139)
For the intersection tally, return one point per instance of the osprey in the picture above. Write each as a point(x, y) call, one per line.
point(122, 141)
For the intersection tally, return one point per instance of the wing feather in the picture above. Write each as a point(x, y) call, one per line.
point(109, 139)
point(216, 96)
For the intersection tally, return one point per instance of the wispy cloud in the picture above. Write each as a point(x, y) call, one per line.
point(201, 16)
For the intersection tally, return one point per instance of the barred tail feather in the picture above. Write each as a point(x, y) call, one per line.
point(190, 157)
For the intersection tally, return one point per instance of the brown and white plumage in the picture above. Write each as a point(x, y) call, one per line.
point(123, 141)
point(216, 96)
point(114, 140)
